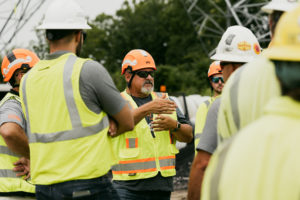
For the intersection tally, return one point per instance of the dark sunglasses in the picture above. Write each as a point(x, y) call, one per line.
point(144, 74)
point(217, 79)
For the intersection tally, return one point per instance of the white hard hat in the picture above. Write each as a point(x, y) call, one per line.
point(280, 5)
point(238, 44)
point(64, 14)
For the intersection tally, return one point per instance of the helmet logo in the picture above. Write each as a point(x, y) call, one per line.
point(244, 46)
point(229, 39)
point(15, 62)
point(129, 62)
point(256, 48)
point(144, 53)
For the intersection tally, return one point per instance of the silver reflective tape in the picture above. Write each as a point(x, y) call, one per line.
point(234, 98)
point(7, 151)
point(159, 94)
point(167, 162)
point(132, 142)
point(68, 92)
point(207, 103)
point(197, 135)
point(134, 166)
point(70, 134)
point(26, 105)
point(7, 173)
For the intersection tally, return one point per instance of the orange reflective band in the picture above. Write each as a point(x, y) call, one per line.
point(14, 117)
point(134, 171)
point(135, 161)
point(166, 157)
point(131, 142)
point(124, 97)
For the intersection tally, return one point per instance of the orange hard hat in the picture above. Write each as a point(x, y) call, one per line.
point(214, 68)
point(137, 59)
point(16, 59)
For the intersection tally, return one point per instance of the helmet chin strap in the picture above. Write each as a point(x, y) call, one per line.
point(129, 83)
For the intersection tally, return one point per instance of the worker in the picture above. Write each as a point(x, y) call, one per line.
point(216, 82)
point(147, 154)
point(13, 125)
point(72, 109)
point(262, 160)
point(247, 92)
point(237, 46)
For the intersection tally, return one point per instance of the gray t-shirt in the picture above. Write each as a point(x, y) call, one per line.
point(11, 111)
point(209, 138)
point(96, 87)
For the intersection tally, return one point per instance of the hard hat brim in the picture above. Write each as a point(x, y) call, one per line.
point(286, 53)
point(63, 26)
point(270, 7)
point(231, 58)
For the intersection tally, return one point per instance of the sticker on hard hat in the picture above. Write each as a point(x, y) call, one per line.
point(256, 48)
point(244, 46)
point(229, 39)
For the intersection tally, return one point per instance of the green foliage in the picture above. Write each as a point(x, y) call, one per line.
point(164, 30)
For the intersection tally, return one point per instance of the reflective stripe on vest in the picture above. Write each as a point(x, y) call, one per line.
point(216, 177)
point(7, 173)
point(234, 98)
point(77, 130)
point(144, 165)
point(131, 142)
point(5, 150)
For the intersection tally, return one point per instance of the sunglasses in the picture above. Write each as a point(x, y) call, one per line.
point(144, 74)
point(217, 79)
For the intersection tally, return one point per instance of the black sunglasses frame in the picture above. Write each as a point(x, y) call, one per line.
point(145, 74)
point(217, 79)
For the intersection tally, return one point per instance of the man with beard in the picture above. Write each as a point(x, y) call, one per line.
point(72, 108)
point(216, 82)
point(147, 154)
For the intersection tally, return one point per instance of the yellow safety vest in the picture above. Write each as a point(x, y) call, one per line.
point(262, 161)
point(67, 140)
point(201, 119)
point(245, 94)
point(140, 155)
point(9, 182)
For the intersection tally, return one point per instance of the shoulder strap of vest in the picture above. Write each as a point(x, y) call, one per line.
point(9, 96)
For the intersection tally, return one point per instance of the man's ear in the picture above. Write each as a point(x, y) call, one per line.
point(127, 76)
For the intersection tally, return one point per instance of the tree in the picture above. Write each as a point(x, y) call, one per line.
point(164, 30)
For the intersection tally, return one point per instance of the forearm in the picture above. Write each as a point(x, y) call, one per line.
point(140, 113)
point(196, 175)
point(184, 134)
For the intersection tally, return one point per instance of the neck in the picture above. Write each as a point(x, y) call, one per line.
point(60, 46)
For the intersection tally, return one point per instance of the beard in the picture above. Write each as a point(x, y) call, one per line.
point(147, 90)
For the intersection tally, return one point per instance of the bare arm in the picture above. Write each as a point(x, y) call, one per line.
point(15, 138)
point(197, 173)
point(123, 120)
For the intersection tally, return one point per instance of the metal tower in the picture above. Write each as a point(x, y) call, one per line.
point(14, 15)
point(210, 19)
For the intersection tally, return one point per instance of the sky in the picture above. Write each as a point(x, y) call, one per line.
point(91, 7)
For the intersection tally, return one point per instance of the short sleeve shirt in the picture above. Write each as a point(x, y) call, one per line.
point(209, 138)
point(11, 111)
point(97, 88)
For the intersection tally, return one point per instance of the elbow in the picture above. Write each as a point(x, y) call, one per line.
point(7, 134)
